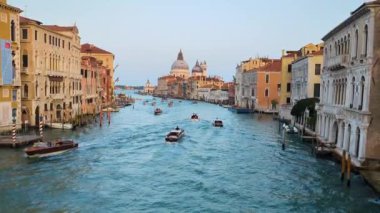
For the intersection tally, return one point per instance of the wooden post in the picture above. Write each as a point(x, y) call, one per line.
point(14, 133)
point(41, 129)
point(348, 170)
point(109, 117)
point(343, 164)
point(100, 117)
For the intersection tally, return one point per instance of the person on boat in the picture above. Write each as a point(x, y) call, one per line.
point(177, 128)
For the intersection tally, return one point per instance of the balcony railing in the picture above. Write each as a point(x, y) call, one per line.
point(337, 62)
point(57, 96)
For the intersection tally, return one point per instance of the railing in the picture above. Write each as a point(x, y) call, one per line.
point(57, 96)
point(337, 62)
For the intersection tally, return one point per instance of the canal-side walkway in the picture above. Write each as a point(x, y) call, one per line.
point(21, 140)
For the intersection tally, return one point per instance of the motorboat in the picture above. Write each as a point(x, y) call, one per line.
point(175, 135)
point(157, 111)
point(44, 149)
point(110, 109)
point(60, 125)
point(194, 117)
point(290, 129)
point(170, 104)
point(218, 123)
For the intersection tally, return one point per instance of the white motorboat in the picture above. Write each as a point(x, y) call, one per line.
point(175, 135)
point(60, 125)
point(290, 129)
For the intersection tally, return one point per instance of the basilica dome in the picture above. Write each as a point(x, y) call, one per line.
point(180, 67)
point(197, 68)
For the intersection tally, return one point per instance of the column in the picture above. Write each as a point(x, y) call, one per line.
point(352, 141)
point(366, 95)
point(345, 137)
point(363, 144)
point(340, 134)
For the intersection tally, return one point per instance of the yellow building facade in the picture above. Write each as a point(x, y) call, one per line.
point(50, 72)
point(287, 59)
point(10, 101)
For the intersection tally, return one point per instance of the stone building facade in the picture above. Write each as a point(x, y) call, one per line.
point(348, 113)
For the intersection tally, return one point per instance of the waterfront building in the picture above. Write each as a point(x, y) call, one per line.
point(348, 112)
point(148, 88)
point(286, 76)
point(91, 102)
point(243, 81)
point(10, 80)
point(306, 78)
point(50, 72)
point(265, 86)
point(107, 58)
point(162, 85)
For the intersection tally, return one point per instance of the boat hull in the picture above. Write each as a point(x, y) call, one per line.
point(239, 110)
point(59, 148)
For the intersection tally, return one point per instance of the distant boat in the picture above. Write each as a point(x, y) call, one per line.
point(157, 111)
point(44, 149)
point(290, 129)
point(170, 104)
point(175, 135)
point(194, 102)
point(218, 123)
point(60, 125)
point(194, 117)
point(110, 109)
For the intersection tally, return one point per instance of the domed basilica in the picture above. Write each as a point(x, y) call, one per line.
point(180, 68)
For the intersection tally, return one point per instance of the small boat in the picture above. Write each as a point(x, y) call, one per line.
point(175, 135)
point(44, 149)
point(290, 129)
point(157, 111)
point(170, 104)
point(194, 117)
point(194, 102)
point(110, 109)
point(154, 104)
point(60, 125)
point(218, 123)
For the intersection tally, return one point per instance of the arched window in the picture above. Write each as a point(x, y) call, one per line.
point(356, 43)
point(266, 92)
point(362, 85)
point(357, 142)
point(339, 48)
point(26, 91)
point(37, 89)
point(348, 44)
point(365, 40)
point(45, 88)
point(345, 45)
point(353, 93)
point(13, 31)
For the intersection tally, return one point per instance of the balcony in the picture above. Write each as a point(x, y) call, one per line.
point(54, 73)
point(338, 111)
point(57, 96)
point(337, 62)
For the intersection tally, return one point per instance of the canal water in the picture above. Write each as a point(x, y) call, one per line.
point(128, 167)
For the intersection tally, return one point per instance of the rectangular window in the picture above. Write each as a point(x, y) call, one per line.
point(46, 107)
point(49, 39)
point(24, 33)
point(317, 69)
point(45, 38)
point(288, 87)
point(288, 100)
point(266, 78)
point(317, 88)
point(69, 45)
point(266, 92)
point(35, 35)
point(289, 68)
point(14, 95)
point(25, 61)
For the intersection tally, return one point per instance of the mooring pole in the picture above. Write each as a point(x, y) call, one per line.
point(348, 170)
point(41, 128)
point(343, 165)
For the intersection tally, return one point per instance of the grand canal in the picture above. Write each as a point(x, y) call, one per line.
point(127, 167)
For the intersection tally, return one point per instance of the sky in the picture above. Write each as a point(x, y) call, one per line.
point(146, 35)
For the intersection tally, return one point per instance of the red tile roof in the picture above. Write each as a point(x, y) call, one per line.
point(274, 66)
point(90, 48)
point(24, 20)
point(61, 28)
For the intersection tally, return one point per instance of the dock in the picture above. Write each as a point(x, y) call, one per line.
point(22, 140)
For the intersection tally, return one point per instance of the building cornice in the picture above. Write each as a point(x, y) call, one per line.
point(11, 8)
point(356, 14)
